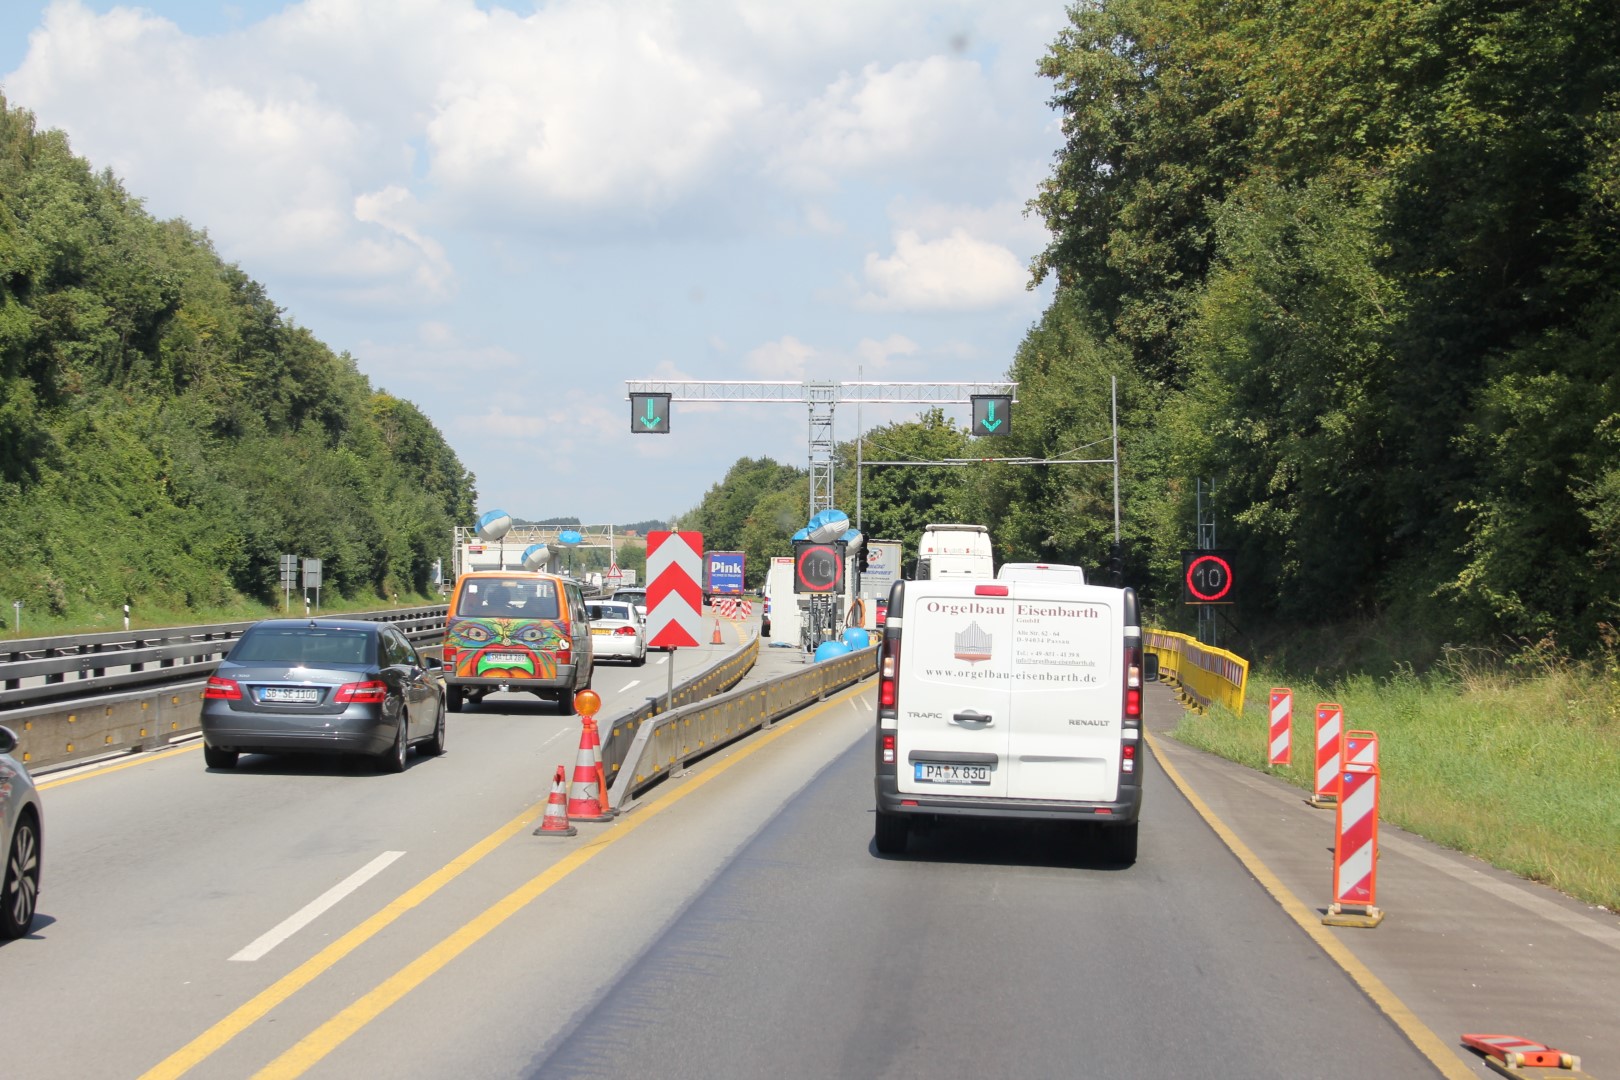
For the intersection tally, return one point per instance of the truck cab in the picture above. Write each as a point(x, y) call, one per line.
point(954, 551)
point(1011, 699)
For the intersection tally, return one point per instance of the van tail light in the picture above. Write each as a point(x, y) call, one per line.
point(564, 654)
point(989, 590)
point(889, 674)
point(450, 655)
point(1127, 757)
point(370, 692)
point(222, 689)
point(1133, 683)
point(888, 749)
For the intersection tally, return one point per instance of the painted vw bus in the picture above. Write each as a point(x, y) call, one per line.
point(513, 630)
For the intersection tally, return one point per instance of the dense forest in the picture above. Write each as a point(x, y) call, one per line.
point(1356, 266)
point(166, 434)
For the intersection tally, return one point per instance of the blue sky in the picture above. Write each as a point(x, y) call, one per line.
point(505, 210)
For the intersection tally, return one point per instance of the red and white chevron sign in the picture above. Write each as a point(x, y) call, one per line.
point(674, 589)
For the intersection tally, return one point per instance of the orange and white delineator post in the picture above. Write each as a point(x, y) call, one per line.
point(1361, 748)
point(1355, 851)
point(555, 823)
point(1282, 726)
point(1329, 742)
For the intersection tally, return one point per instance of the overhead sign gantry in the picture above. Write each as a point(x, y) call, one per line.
point(992, 404)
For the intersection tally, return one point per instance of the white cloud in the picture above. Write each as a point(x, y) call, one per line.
point(251, 149)
point(583, 105)
point(954, 273)
point(917, 109)
point(785, 359)
point(876, 355)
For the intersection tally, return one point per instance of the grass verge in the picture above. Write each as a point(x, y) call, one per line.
point(1518, 770)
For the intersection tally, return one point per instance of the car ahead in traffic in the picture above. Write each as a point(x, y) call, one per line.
point(765, 618)
point(617, 631)
point(20, 840)
point(520, 631)
point(323, 686)
point(637, 596)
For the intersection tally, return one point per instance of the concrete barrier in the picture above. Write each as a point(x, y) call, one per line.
point(137, 720)
point(664, 744)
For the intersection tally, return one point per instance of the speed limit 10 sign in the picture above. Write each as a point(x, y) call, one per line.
point(817, 568)
point(1206, 577)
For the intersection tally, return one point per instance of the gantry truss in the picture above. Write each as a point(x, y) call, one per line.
point(823, 397)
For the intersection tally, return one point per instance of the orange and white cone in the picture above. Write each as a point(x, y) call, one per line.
point(585, 793)
point(555, 823)
point(596, 755)
point(717, 639)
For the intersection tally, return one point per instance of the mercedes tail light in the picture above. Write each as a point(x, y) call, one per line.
point(370, 692)
point(222, 689)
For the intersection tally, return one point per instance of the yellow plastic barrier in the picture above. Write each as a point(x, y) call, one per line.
point(1204, 675)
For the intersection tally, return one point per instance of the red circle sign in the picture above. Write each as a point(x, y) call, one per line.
point(1209, 577)
point(819, 569)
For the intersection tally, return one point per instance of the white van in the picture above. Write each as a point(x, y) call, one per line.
point(1013, 699)
point(954, 551)
point(1040, 571)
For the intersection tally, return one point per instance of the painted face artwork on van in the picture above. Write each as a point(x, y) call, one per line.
point(506, 648)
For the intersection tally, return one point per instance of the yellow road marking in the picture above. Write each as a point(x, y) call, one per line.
point(332, 1034)
point(138, 759)
point(1427, 1042)
point(188, 1056)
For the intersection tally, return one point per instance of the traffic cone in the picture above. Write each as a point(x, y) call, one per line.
point(717, 639)
point(555, 823)
point(596, 755)
point(585, 794)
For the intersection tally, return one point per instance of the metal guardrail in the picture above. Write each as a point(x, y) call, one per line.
point(77, 666)
point(618, 735)
point(664, 744)
point(61, 733)
point(1203, 674)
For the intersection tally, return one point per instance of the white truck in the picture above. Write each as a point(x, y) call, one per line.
point(782, 617)
point(1011, 699)
point(954, 551)
point(1040, 571)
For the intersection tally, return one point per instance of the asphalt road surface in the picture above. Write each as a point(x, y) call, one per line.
point(309, 917)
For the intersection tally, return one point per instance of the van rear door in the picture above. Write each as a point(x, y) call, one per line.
point(954, 707)
point(1067, 670)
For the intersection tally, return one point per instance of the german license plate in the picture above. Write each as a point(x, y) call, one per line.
point(932, 773)
point(504, 659)
point(292, 695)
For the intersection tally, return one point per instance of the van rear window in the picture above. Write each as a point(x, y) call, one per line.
point(509, 598)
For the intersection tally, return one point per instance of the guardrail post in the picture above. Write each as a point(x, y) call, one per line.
point(55, 676)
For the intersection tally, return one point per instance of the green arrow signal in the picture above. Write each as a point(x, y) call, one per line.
point(990, 422)
point(652, 419)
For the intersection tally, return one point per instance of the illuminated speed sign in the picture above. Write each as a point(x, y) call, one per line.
point(1206, 577)
point(818, 568)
